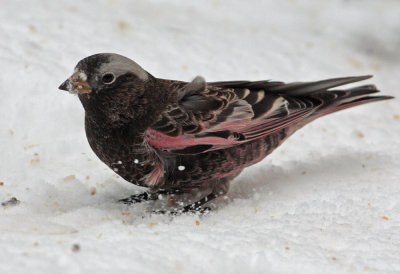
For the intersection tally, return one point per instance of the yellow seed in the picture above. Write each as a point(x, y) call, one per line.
point(122, 25)
point(35, 161)
point(69, 178)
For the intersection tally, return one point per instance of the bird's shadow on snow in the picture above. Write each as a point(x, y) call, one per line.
point(292, 176)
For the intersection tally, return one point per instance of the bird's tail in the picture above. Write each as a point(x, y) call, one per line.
point(335, 100)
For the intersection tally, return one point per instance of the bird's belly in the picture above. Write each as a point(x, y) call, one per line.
point(194, 170)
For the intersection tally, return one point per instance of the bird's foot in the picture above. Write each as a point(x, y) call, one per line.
point(145, 196)
point(196, 207)
point(138, 198)
point(186, 209)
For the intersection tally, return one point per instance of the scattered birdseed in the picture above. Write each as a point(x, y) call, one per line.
point(1, 183)
point(35, 161)
point(385, 218)
point(122, 25)
point(69, 178)
point(359, 134)
point(197, 222)
point(30, 146)
point(92, 190)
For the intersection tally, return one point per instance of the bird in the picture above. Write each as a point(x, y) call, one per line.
point(175, 137)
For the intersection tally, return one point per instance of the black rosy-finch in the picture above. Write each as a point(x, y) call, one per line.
point(177, 137)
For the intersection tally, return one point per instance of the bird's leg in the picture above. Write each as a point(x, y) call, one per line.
point(197, 206)
point(219, 189)
point(137, 198)
point(145, 196)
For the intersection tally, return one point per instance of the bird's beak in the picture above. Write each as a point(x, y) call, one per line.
point(76, 84)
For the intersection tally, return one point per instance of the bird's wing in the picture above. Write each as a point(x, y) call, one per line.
point(217, 115)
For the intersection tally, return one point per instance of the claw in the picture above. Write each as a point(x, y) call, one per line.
point(175, 212)
point(137, 198)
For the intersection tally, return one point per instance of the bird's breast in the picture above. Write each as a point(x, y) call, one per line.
point(126, 153)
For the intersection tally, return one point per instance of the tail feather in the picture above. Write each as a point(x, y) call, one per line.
point(350, 98)
point(361, 101)
point(308, 88)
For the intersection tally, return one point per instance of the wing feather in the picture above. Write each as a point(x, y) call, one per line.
point(217, 115)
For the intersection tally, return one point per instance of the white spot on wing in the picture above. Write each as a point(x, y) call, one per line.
point(136, 161)
point(181, 168)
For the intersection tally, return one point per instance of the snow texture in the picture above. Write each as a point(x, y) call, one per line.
point(326, 201)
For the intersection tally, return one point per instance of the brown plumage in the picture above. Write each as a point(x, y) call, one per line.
point(178, 137)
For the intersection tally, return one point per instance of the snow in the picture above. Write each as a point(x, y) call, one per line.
point(327, 201)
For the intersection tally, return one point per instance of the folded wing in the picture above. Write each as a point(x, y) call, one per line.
point(217, 115)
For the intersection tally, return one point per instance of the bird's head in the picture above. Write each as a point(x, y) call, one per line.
point(112, 88)
point(103, 72)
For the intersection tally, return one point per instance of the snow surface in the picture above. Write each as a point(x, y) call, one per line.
point(327, 201)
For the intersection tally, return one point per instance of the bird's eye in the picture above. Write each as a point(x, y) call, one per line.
point(108, 78)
